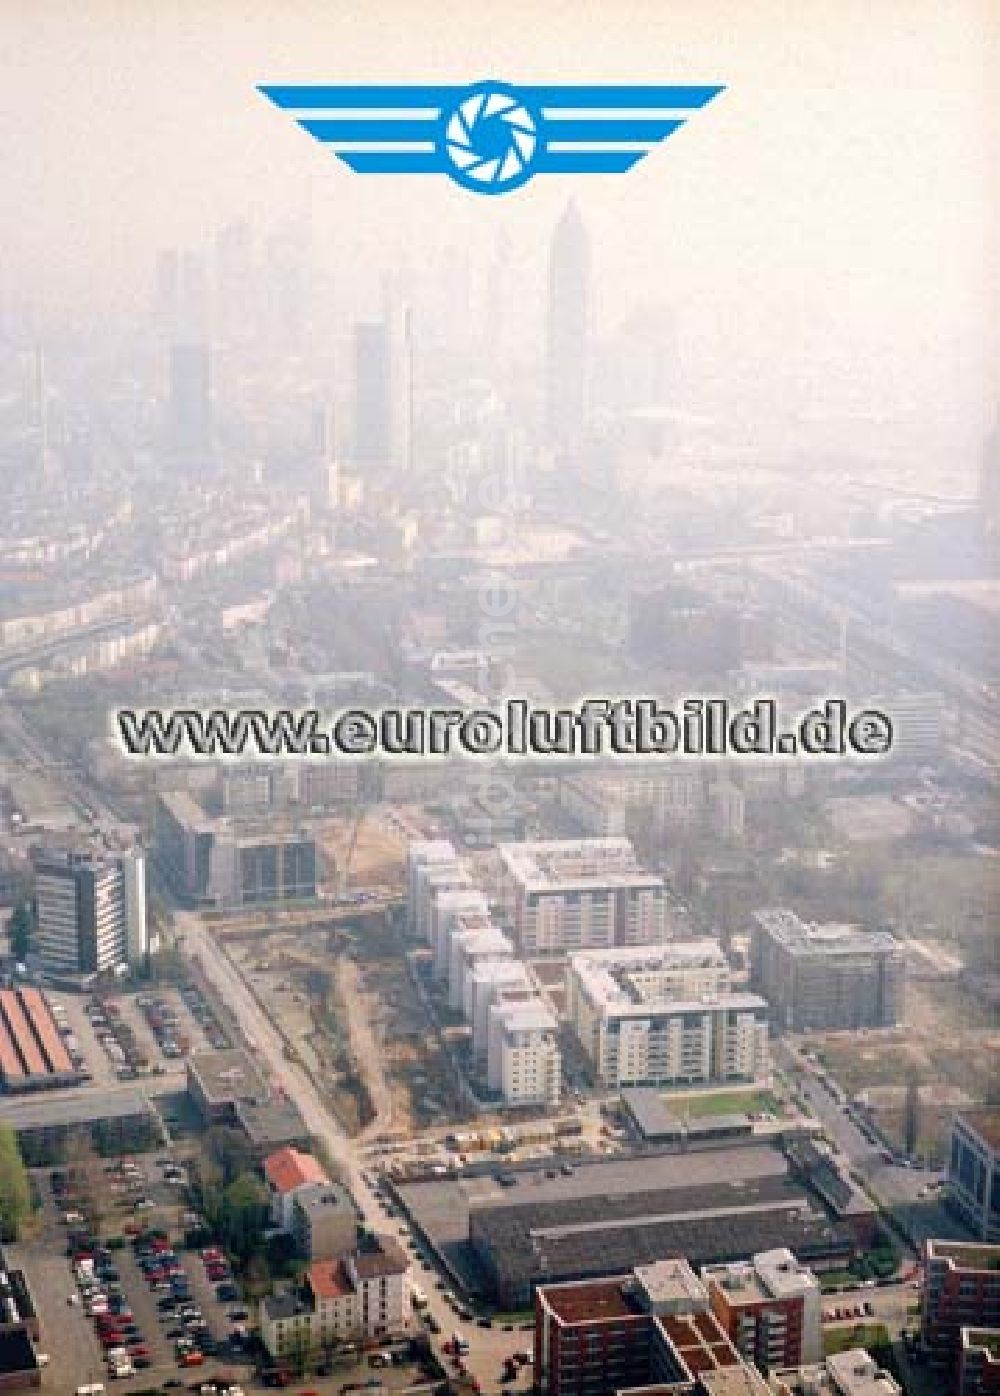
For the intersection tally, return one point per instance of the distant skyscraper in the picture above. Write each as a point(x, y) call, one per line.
point(372, 393)
point(567, 350)
point(383, 392)
point(190, 419)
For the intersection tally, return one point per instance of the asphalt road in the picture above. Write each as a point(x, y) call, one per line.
point(892, 1184)
point(488, 1346)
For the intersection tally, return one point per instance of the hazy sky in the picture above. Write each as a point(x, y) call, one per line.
point(829, 215)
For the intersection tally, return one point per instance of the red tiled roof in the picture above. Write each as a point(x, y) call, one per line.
point(328, 1279)
point(288, 1169)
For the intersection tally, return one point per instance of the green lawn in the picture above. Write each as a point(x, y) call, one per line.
point(870, 1336)
point(724, 1103)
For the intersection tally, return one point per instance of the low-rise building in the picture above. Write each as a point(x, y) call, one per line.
point(227, 1088)
point(324, 1221)
point(350, 1298)
point(285, 1172)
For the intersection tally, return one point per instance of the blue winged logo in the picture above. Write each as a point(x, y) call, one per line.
point(491, 137)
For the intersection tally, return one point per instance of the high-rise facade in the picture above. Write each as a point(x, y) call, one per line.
point(821, 978)
point(974, 1170)
point(190, 420)
point(568, 325)
point(961, 1291)
point(91, 910)
point(383, 391)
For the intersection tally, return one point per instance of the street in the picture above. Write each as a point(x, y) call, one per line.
point(488, 1346)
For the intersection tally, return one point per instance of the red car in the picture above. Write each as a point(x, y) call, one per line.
point(138, 1350)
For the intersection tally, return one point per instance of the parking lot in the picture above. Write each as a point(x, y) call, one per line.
point(105, 1279)
point(122, 1035)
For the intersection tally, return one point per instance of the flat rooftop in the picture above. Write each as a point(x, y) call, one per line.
point(965, 1255)
point(82, 1105)
point(592, 1301)
point(734, 1381)
point(831, 939)
point(700, 1342)
point(563, 865)
point(671, 1281)
point(227, 1075)
point(986, 1124)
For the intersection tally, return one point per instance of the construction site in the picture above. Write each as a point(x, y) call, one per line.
point(336, 981)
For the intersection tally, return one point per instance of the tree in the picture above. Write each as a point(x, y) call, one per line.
point(15, 1190)
point(244, 1215)
point(22, 925)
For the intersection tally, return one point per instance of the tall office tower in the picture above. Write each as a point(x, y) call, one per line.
point(567, 349)
point(383, 391)
point(372, 394)
point(190, 410)
point(91, 910)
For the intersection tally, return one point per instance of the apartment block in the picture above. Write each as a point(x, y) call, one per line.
point(851, 1373)
point(961, 1290)
point(576, 894)
point(359, 1296)
point(665, 1016)
point(770, 1308)
point(974, 1170)
point(453, 907)
point(524, 1062)
point(820, 978)
point(979, 1362)
point(421, 854)
point(653, 1328)
point(469, 948)
point(490, 980)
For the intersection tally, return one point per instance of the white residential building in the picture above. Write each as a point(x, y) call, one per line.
point(524, 1062)
point(455, 908)
point(665, 1016)
point(575, 894)
point(490, 979)
point(467, 949)
point(423, 854)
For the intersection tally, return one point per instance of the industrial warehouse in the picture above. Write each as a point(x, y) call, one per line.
point(502, 1235)
point(32, 1053)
